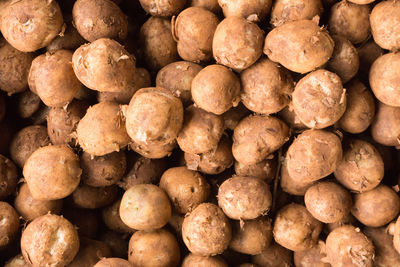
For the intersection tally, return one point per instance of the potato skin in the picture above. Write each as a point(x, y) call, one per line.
point(193, 260)
point(211, 5)
point(9, 226)
point(8, 177)
point(153, 150)
point(290, 46)
point(264, 170)
point(113, 262)
point(162, 8)
point(49, 233)
point(112, 219)
point(385, 254)
point(88, 197)
point(206, 231)
point(29, 25)
point(70, 40)
point(290, 118)
point(52, 172)
point(251, 10)
point(274, 256)
point(237, 43)
point(385, 129)
point(27, 104)
point(284, 11)
point(293, 185)
point(359, 249)
point(311, 257)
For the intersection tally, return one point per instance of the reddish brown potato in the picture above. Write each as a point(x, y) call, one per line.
point(274, 256)
point(368, 52)
point(112, 219)
point(385, 128)
point(8, 177)
point(27, 104)
point(9, 224)
point(264, 170)
point(162, 8)
point(251, 10)
point(49, 233)
point(113, 262)
point(88, 197)
point(315, 256)
point(284, 11)
point(385, 254)
point(293, 185)
point(192, 260)
point(17, 261)
point(90, 252)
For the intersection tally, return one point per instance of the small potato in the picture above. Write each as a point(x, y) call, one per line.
point(8, 177)
point(99, 19)
point(206, 231)
point(27, 103)
point(234, 115)
point(267, 87)
point(112, 219)
point(319, 99)
point(194, 29)
point(192, 260)
point(315, 257)
point(153, 150)
point(70, 40)
point(284, 11)
point(90, 252)
point(104, 65)
point(49, 233)
point(29, 25)
point(17, 261)
point(274, 256)
point(257, 136)
point(211, 5)
point(251, 237)
point(14, 68)
point(350, 21)
point(52, 172)
point(264, 170)
point(86, 221)
point(313, 155)
point(293, 185)
point(162, 8)
point(143, 244)
point(361, 168)
point(113, 262)
point(385, 129)
point(348, 246)
point(30, 208)
point(291, 119)
point(295, 228)
point(360, 108)
point(237, 43)
point(244, 198)
point(9, 224)
point(145, 207)
point(385, 19)
point(252, 10)
point(376, 207)
point(186, 189)
point(102, 130)
point(88, 197)
point(328, 202)
point(201, 131)
point(300, 46)
point(368, 52)
point(385, 254)
point(117, 243)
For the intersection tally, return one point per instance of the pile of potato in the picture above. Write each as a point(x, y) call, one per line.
point(199, 133)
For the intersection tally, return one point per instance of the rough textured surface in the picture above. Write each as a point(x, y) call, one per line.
point(192, 260)
point(253, 10)
point(315, 257)
point(264, 170)
point(284, 11)
point(385, 128)
point(274, 256)
point(161, 8)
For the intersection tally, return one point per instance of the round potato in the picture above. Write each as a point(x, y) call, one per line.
point(112, 219)
point(113, 262)
point(27, 104)
point(192, 260)
point(315, 256)
point(293, 185)
point(211, 5)
point(274, 256)
point(90, 252)
point(264, 170)
point(385, 128)
point(9, 224)
point(251, 10)
point(368, 52)
point(162, 8)
point(284, 11)
point(8, 177)
point(385, 253)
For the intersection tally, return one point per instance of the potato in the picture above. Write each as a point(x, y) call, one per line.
point(348, 246)
point(385, 129)
point(154, 115)
point(257, 136)
point(360, 108)
point(99, 19)
point(284, 11)
point(27, 104)
point(9, 224)
point(153, 150)
point(267, 87)
point(142, 245)
point(69, 40)
point(290, 118)
point(214, 161)
point(385, 254)
point(30, 208)
point(361, 168)
point(319, 99)
point(295, 228)
point(88, 197)
point(193, 30)
point(112, 219)
point(104, 65)
point(201, 131)
point(49, 233)
point(300, 46)
point(117, 243)
point(368, 52)
point(62, 122)
point(8, 177)
point(244, 198)
point(314, 155)
point(350, 21)
point(176, 221)
point(113, 262)
point(52, 172)
point(17, 261)
point(237, 43)
point(293, 185)
point(211, 5)
point(251, 237)
point(264, 170)
point(328, 202)
point(102, 129)
point(177, 77)
point(90, 252)
point(145, 207)
point(206, 231)
point(251, 10)
point(315, 256)
point(186, 189)
point(192, 260)
point(162, 8)
point(86, 221)
point(29, 25)
point(234, 115)
point(14, 68)
point(376, 207)
point(344, 61)
point(274, 256)
point(156, 43)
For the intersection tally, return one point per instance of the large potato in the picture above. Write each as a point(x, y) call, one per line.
point(284, 11)
point(385, 128)
point(253, 10)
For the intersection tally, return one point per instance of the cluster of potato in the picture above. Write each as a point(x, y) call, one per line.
point(199, 133)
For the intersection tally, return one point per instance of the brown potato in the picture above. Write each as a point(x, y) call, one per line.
point(69, 40)
point(186, 189)
point(350, 21)
point(274, 256)
point(234, 115)
point(49, 233)
point(211, 5)
point(90, 252)
point(206, 231)
point(143, 244)
point(192, 260)
point(267, 87)
point(113, 262)
point(315, 256)
point(251, 10)
point(27, 103)
point(237, 43)
point(348, 246)
point(29, 25)
point(193, 30)
point(104, 65)
point(385, 254)
point(360, 108)
point(284, 11)
point(14, 68)
point(290, 118)
point(102, 129)
point(293, 185)
point(153, 150)
point(244, 198)
point(361, 168)
point(328, 202)
point(52, 172)
point(264, 170)
point(88, 197)
point(145, 207)
point(30, 208)
point(385, 129)
point(162, 8)
point(112, 219)
point(368, 52)
point(314, 155)
point(300, 46)
point(9, 224)
point(8, 177)
point(257, 136)
point(17, 261)
point(117, 243)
